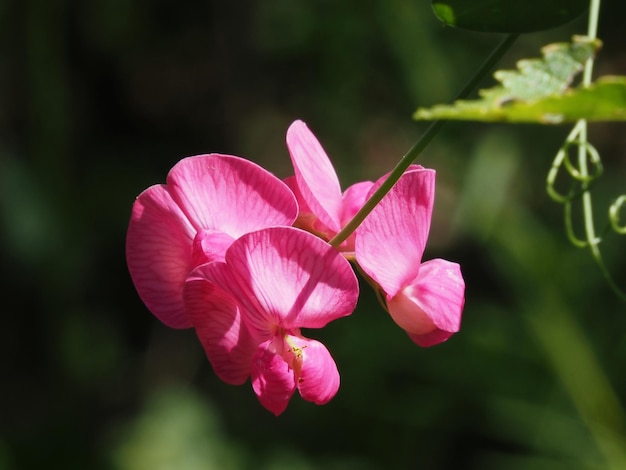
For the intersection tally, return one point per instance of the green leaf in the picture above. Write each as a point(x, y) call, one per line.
point(539, 91)
point(508, 16)
point(604, 100)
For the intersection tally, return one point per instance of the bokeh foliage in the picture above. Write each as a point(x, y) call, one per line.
point(99, 99)
point(502, 16)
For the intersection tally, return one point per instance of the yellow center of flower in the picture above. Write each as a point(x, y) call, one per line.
point(296, 361)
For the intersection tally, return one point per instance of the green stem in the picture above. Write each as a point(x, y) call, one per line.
point(612, 453)
point(421, 144)
point(581, 126)
point(592, 29)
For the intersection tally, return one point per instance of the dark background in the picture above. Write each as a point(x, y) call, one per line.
point(98, 99)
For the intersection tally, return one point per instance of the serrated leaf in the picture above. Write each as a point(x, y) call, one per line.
point(536, 78)
point(604, 100)
point(508, 16)
point(539, 91)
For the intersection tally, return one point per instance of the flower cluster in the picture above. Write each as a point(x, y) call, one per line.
point(230, 250)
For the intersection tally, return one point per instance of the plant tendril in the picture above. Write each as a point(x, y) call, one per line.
point(614, 217)
point(587, 157)
point(562, 159)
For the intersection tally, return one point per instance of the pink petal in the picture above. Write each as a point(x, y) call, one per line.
point(315, 176)
point(209, 200)
point(159, 254)
point(272, 378)
point(391, 240)
point(318, 378)
point(431, 339)
point(291, 278)
point(430, 309)
point(353, 199)
point(405, 310)
point(210, 245)
point(307, 220)
point(230, 194)
point(378, 183)
point(216, 316)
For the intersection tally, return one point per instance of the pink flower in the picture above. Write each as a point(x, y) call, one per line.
point(424, 298)
point(324, 210)
point(249, 308)
point(208, 202)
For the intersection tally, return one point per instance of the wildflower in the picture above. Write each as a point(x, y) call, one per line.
point(208, 202)
point(324, 210)
point(248, 311)
point(424, 298)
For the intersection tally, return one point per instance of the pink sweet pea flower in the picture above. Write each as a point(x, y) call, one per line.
point(208, 201)
point(324, 210)
point(424, 298)
point(248, 311)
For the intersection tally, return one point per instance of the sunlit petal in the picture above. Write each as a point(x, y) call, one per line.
point(430, 310)
point(353, 199)
point(315, 175)
point(307, 220)
point(230, 194)
point(210, 245)
point(159, 254)
point(297, 279)
point(216, 316)
point(318, 378)
point(391, 240)
point(272, 378)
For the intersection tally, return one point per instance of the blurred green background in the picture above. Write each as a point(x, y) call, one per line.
point(98, 99)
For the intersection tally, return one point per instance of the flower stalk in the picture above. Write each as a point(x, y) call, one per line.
point(422, 143)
